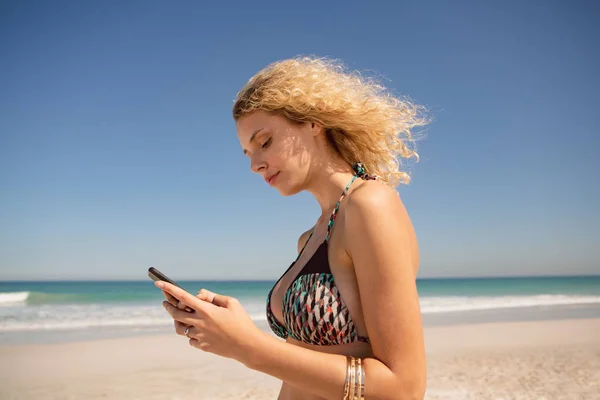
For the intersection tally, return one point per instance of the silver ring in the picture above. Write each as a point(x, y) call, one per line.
point(187, 331)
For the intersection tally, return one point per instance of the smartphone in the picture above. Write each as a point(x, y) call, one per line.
point(156, 275)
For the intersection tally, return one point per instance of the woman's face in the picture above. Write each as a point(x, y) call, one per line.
point(279, 150)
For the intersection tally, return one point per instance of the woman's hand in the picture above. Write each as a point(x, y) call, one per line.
point(219, 324)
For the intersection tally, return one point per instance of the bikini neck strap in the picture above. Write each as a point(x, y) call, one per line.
point(359, 172)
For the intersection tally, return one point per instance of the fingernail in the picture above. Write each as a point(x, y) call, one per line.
point(159, 284)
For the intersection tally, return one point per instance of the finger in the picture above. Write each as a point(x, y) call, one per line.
point(184, 317)
point(198, 327)
point(206, 295)
point(199, 344)
point(179, 304)
point(190, 331)
point(170, 298)
point(179, 328)
point(182, 306)
point(185, 297)
point(223, 301)
point(216, 299)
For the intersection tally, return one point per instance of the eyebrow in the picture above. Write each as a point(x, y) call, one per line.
point(252, 138)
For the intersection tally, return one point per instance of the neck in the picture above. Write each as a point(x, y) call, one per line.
point(327, 183)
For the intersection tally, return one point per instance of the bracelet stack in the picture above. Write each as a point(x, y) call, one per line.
point(354, 387)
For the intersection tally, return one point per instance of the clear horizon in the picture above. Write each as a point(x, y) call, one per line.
point(271, 280)
point(118, 150)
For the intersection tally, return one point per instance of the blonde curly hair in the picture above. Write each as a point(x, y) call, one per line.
point(362, 120)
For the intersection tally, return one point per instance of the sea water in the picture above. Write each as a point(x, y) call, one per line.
point(54, 311)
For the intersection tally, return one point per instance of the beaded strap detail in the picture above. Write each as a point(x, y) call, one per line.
point(359, 172)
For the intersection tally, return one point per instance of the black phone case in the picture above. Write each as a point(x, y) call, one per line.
point(156, 275)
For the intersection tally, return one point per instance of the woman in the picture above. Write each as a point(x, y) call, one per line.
point(348, 307)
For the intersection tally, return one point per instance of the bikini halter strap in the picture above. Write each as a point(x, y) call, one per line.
point(359, 172)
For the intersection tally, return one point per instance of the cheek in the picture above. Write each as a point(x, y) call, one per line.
point(275, 158)
point(278, 155)
point(293, 151)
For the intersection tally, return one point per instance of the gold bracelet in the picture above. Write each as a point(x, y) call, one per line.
point(354, 386)
point(360, 390)
point(362, 383)
point(357, 379)
point(347, 383)
point(353, 379)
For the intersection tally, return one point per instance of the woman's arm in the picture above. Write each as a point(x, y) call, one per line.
point(383, 249)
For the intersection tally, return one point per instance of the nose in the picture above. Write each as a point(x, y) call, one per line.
point(256, 164)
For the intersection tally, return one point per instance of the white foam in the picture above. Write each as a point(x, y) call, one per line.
point(86, 324)
point(13, 297)
point(438, 305)
point(258, 317)
point(15, 317)
point(50, 317)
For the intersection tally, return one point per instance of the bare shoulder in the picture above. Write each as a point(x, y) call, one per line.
point(375, 218)
point(374, 197)
point(303, 239)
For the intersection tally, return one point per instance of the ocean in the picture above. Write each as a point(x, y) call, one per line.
point(59, 311)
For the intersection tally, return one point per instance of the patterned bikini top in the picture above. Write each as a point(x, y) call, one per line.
point(312, 307)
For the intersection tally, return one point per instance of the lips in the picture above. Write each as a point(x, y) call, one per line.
point(271, 179)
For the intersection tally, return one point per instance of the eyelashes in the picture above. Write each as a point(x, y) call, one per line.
point(267, 143)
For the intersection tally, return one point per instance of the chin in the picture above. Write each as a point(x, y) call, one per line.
point(289, 190)
point(285, 192)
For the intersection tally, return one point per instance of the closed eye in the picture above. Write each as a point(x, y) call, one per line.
point(267, 143)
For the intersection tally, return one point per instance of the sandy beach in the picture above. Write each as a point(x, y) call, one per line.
point(507, 360)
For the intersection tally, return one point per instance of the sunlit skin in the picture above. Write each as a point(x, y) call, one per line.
point(373, 256)
point(299, 152)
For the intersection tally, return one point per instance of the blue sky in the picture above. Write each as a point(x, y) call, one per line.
point(118, 150)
